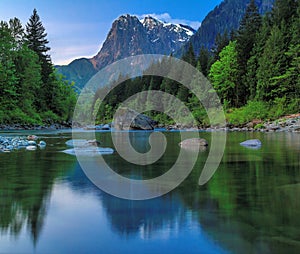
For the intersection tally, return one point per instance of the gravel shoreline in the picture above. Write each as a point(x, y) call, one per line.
point(289, 123)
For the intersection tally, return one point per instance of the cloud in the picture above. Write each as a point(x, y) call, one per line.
point(166, 17)
point(63, 54)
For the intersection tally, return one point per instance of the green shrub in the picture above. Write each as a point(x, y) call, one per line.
point(49, 116)
point(20, 117)
point(253, 110)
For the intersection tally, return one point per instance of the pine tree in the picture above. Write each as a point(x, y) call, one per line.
point(189, 56)
point(272, 64)
point(37, 41)
point(8, 74)
point(204, 61)
point(257, 52)
point(291, 76)
point(221, 41)
point(283, 12)
point(36, 35)
point(17, 31)
point(246, 36)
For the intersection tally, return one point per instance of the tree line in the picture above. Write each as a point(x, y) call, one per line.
point(255, 70)
point(31, 92)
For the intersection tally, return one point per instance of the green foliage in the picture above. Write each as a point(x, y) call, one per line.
point(204, 62)
point(36, 36)
point(225, 17)
point(253, 110)
point(223, 74)
point(246, 38)
point(221, 41)
point(255, 70)
point(30, 91)
point(189, 56)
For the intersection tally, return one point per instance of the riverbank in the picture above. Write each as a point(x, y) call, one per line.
point(290, 123)
point(53, 126)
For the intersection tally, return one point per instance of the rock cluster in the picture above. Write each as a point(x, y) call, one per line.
point(8, 144)
point(47, 126)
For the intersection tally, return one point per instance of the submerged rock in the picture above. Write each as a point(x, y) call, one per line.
point(194, 144)
point(82, 143)
point(251, 143)
point(89, 151)
point(31, 148)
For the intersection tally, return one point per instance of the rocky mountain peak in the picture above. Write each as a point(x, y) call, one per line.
point(150, 22)
point(130, 36)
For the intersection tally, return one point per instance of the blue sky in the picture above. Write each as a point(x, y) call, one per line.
point(78, 28)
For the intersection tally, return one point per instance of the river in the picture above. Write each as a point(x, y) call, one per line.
point(251, 204)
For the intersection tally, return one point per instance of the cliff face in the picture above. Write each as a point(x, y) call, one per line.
point(225, 17)
point(129, 36)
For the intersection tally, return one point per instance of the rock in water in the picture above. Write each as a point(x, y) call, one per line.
point(89, 152)
point(129, 119)
point(31, 143)
point(194, 144)
point(42, 144)
point(32, 137)
point(251, 143)
point(31, 148)
point(82, 143)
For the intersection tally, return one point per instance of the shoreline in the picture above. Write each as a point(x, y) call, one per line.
point(289, 123)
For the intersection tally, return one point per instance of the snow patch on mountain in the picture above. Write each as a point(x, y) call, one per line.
point(166, 18)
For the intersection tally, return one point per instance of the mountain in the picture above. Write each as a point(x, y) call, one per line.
point(80, 71)
point(129, 36)
point(225, 17)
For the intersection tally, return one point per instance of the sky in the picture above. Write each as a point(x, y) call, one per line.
point(78, 28)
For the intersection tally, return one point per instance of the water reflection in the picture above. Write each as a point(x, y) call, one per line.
point(251, 205)
point(25, 189)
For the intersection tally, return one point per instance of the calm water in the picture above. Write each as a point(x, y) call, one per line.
point(251, 205)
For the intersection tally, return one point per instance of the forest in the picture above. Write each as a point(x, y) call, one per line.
point(31, 92)
point(255, 70)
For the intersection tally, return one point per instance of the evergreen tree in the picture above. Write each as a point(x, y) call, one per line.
point(36, 35)
point(283, 12)
point(29, 70)
point(189, 56)
point(17, 31)
point(8, 74)
point(204, 61)
point(291, 74)
point(257, 52)
point(246, 36)
point(271, 64)
point(221, 41)
point(37, 41)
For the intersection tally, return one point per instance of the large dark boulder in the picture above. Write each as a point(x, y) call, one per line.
point(129, 119)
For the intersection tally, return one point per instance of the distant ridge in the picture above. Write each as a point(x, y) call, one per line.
point(224, 17)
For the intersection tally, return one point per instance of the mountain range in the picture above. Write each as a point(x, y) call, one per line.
point(130, 36)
